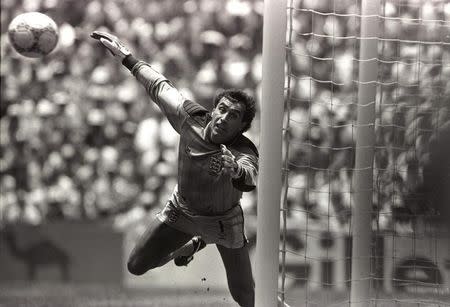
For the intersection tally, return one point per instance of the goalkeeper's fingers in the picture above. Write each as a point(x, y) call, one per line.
point(229, 164)
point(225, 150)
point(228, 159)
point(112, 43)
point(101, 34)
point(107, 43)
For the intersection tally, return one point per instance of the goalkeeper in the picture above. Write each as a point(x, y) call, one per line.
point(216, 164)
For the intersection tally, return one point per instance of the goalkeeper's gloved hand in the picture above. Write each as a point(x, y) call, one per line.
point(229, 164)
point(112, 43)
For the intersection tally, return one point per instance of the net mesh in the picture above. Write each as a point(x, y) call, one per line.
point(410, 262)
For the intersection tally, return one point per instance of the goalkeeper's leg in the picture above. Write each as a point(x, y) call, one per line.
point(156, 247)
point(239, 274)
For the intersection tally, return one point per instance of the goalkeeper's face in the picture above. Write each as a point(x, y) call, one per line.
point(227, 121)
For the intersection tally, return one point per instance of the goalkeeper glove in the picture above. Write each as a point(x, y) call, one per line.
point(229, 164)
point(112, 43)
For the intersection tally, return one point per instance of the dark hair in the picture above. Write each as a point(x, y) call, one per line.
point(239, 96)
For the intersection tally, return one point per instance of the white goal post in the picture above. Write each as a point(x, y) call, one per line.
point(270, 177)
point(270, 170)
point(353, 101)
point(362, 193)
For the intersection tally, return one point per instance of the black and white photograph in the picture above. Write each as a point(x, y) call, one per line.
point(253, 153)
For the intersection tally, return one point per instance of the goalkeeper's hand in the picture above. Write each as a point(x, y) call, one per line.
point(112, 43)
point(229, 164)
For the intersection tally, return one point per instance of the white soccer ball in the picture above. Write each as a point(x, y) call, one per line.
point(33, 34)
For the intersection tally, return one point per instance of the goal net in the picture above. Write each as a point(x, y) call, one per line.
point(365, 155)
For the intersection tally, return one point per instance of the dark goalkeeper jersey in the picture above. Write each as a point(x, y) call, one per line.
point(201, 189)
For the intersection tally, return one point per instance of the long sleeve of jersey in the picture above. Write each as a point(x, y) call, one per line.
point(248, 170)
point(160, 90)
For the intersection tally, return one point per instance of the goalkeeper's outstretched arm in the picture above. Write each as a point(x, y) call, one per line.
point(159, 88)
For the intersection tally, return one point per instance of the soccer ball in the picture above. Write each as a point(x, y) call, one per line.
point(33, 34)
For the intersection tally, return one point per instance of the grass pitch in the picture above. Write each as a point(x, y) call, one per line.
point(85, 295)
point(95, 295)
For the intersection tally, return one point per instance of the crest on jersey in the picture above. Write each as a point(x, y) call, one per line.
point(215, 165)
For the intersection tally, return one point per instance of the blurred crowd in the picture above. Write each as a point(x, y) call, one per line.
point(411, 105)
point(80, 139)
